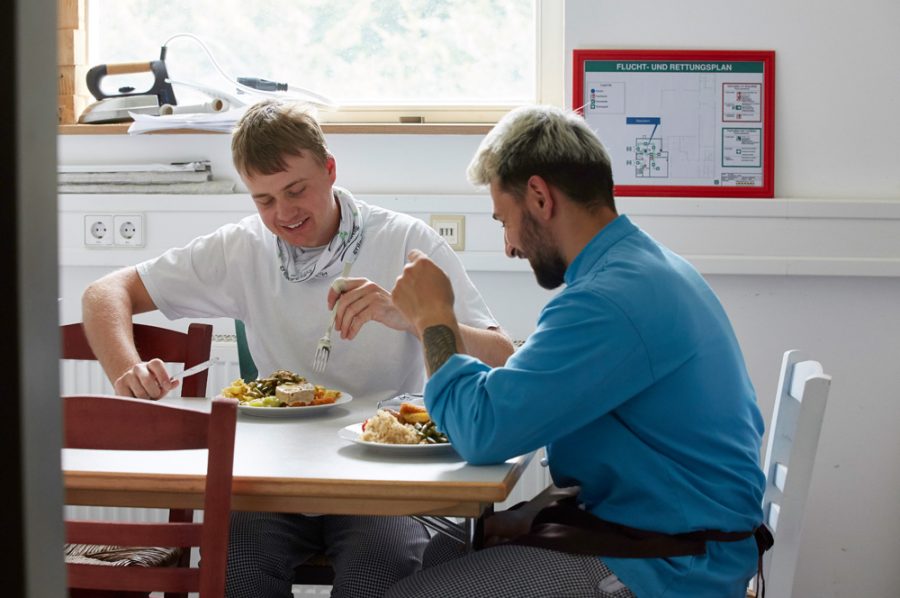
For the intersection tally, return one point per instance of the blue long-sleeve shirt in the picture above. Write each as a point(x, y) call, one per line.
point(635, 383)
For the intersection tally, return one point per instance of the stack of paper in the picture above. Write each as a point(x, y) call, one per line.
point(221, 122)
point(174, 178)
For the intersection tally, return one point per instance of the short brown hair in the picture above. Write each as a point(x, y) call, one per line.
point(269, 131)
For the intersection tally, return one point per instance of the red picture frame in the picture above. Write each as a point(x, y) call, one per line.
point(730, 100)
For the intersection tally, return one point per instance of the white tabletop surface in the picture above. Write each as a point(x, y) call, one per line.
point(297, 464)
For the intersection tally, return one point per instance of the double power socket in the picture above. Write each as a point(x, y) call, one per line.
point(114, 230)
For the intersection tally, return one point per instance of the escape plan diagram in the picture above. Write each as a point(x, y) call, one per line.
point(678, 123)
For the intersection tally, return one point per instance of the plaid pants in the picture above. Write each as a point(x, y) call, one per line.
point(508, 572)
point(368, 554)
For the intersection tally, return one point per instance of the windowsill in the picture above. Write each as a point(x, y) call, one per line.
point(333, 128)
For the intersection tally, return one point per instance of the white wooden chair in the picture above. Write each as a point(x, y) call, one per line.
point(790, 455)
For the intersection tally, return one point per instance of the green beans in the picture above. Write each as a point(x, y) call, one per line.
point(265, 387)
point(429, 434)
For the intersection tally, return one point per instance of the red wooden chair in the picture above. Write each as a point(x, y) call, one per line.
point(172, 346)
point(117, 423)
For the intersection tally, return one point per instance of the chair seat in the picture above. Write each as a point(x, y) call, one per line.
point(121, 556)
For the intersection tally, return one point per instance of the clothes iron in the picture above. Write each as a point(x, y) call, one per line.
point(116, 109)
point(111, 108)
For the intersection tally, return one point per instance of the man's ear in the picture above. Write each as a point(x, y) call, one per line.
point(331, 167)
point(539, 198)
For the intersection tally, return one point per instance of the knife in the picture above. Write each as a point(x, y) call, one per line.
point(195, 369)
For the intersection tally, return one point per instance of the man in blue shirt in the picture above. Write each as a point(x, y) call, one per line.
point(633, 381)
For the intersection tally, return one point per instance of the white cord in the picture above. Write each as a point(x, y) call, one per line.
point(311, 95)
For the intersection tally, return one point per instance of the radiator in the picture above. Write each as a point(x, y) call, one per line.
point(88, 377)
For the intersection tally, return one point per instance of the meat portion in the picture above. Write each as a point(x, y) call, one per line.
point(295, 395)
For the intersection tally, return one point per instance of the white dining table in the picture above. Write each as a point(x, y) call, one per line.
point(295, 464)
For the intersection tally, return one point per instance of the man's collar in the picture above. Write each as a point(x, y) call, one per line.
point(605, 238)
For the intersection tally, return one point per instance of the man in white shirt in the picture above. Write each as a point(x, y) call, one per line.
point(274, 271)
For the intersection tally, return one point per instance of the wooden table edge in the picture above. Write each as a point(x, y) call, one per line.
point(377, 497)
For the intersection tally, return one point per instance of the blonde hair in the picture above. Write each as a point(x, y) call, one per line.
point(549, 142)
point(271, 130)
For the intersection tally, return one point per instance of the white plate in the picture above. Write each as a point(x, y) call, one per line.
point(353, 433)
point(293, 411)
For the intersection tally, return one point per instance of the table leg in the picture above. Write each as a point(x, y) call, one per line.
point(469, 524)
point(448, 527)
point(462, 532)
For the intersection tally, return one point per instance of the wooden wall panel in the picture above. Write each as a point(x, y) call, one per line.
point(71, 107)
point(71, 14)
point(71, 46)
point(71, 80)
point(71, 39)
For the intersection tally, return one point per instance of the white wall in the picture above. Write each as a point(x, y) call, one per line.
point(817, 269)
point(836, 76)
point(850, 542)
point(837, 66)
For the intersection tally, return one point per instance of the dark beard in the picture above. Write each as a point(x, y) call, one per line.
point(550, 273)
point(548, 265)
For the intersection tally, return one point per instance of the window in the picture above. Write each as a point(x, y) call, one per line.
point(435, 60)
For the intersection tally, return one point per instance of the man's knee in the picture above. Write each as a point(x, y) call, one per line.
point(379, 551)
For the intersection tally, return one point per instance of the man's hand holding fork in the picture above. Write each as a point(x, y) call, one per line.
point(353, 302)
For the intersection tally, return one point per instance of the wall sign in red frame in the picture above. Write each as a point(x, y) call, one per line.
point(682, 123)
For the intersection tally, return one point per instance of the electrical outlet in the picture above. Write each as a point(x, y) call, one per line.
point(98, 230)
point(452, 228)
point(128, 230)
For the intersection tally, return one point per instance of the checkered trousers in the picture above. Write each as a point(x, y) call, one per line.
point(509, 572)
point(368, 554)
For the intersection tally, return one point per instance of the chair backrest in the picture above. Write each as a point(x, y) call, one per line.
point(790, 456)
point(118, 423)
point(245, 360)
point(171, 346)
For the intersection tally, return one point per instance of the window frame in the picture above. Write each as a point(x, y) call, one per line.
point(549, 79)
point(549, 85)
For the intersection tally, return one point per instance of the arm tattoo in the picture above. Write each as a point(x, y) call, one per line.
point(440, 345)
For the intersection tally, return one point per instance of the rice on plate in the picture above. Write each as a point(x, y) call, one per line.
point(385, 428)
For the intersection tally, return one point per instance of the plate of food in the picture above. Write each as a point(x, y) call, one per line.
point(406, 430)
point(283, 394)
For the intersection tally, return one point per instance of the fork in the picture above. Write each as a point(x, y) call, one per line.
point(323, 348)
